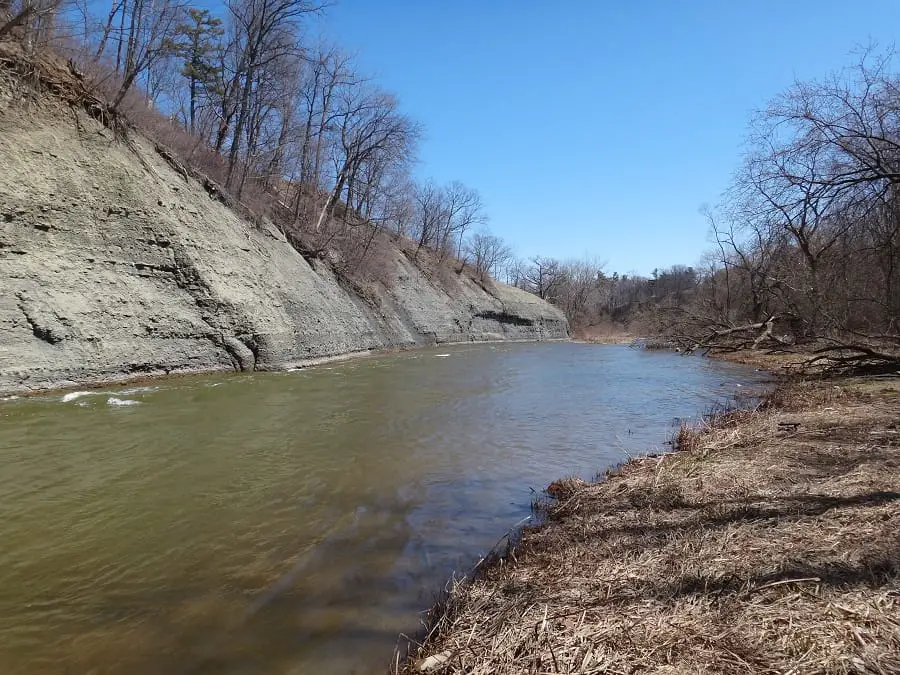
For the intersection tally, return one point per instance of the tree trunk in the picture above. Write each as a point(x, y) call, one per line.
point(107, 28)
point(122, 20)
point(241, 120)
point(332, 198)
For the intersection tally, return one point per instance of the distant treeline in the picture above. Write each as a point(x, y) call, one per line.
point(590, 296)
point(806, 239)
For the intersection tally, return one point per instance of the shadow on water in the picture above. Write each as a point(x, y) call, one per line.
point(299, 522)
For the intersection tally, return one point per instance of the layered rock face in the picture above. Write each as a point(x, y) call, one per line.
point(113, 264)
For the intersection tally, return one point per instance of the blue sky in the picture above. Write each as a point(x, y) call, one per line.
point(597, 128)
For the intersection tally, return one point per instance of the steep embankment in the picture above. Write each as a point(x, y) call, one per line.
point(113, 264)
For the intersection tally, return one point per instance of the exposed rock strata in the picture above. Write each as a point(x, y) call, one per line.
point(112, 264)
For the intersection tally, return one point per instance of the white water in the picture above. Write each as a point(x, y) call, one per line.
point(112, 400)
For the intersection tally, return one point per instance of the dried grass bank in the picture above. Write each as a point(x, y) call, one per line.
point(769, 543)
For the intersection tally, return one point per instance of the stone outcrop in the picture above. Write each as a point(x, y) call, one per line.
point(113, 264)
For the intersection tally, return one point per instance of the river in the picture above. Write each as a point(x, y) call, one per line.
point(298, 522)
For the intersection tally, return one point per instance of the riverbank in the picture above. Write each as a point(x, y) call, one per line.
point(606, 340)
point(766, 543)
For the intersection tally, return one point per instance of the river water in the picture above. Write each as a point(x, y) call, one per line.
point(298, 522)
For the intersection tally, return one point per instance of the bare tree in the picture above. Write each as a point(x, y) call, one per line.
point(34, 21)
point(488, 254)
point(264, 31)
point(371, 130)
point(147, 28)
point(430, 208)
point(543, 277)
point(463, 209)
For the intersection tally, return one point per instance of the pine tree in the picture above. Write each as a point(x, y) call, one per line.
point(196, 41)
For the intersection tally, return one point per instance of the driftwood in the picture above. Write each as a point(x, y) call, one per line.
point(847, 354)
point(852, 359)
point(724, 338)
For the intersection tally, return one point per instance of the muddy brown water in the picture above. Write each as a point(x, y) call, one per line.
point(298, 522)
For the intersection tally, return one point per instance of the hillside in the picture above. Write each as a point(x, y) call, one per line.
point(112, 264)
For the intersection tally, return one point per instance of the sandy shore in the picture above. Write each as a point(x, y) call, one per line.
point(768, 543)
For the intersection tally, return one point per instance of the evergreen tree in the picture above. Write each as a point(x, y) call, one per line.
point(196, 41)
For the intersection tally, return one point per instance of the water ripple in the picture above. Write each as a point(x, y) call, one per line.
point(296, 522)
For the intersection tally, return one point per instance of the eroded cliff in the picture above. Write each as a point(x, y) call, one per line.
point(113, 264)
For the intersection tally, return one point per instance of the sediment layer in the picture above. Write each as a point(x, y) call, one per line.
point(113, 264)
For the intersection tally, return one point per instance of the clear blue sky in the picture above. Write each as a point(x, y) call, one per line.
point(590, 127)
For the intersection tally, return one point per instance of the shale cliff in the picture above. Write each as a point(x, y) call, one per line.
point(113, 264)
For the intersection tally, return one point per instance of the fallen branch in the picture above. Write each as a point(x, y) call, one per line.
point(852, 359)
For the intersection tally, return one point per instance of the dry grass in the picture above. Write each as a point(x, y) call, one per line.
point(768, 544)
point(776, 362)
point(604, 333)
point(604, 339)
